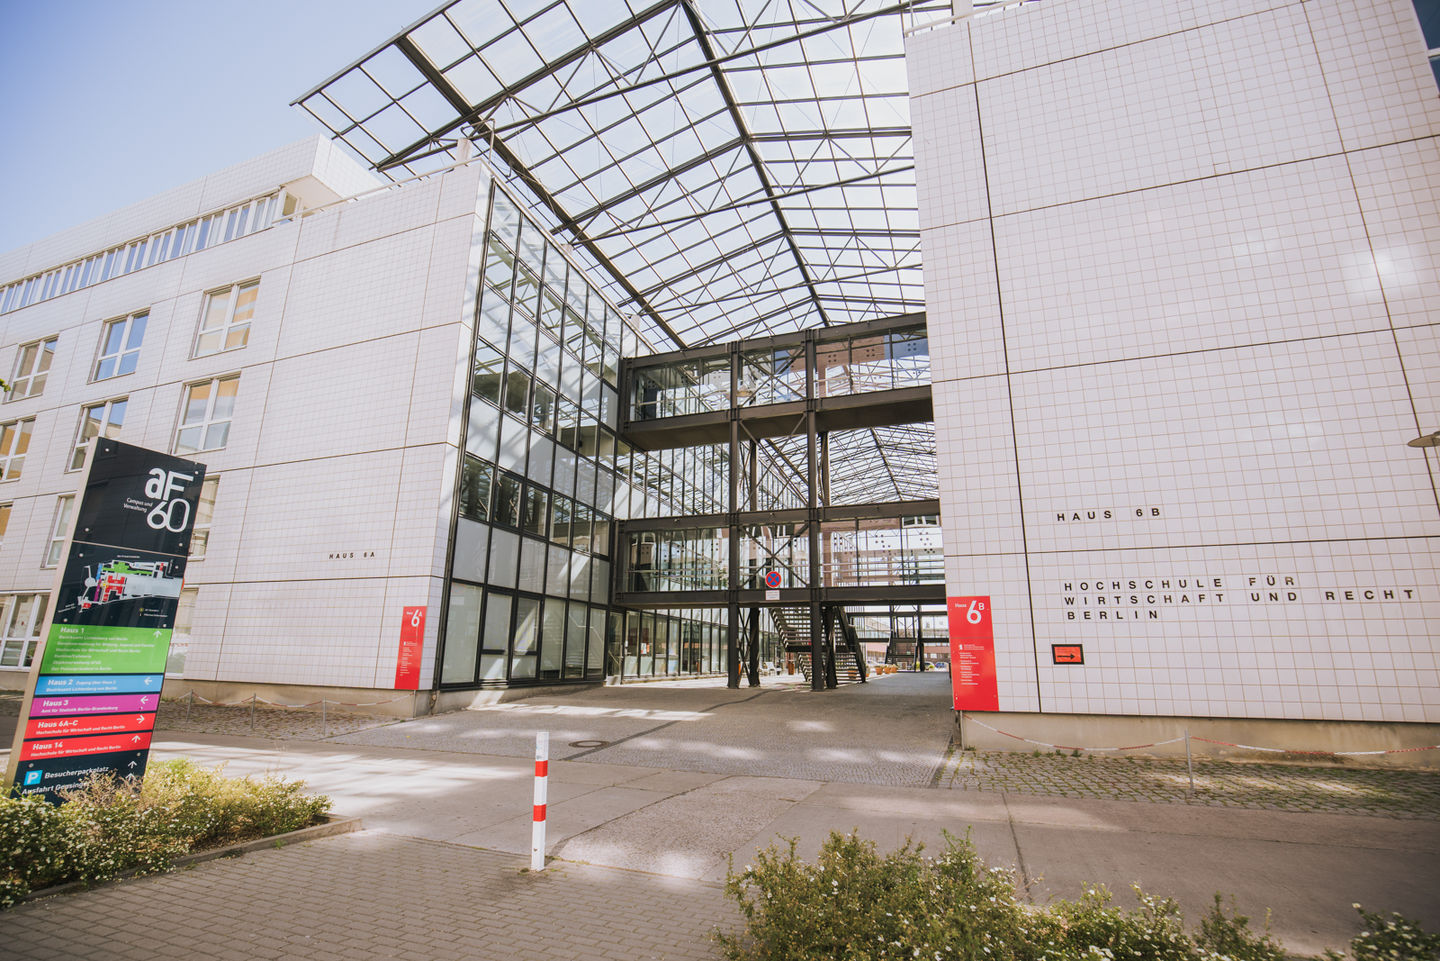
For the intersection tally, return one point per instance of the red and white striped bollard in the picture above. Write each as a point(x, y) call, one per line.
point(542, 776)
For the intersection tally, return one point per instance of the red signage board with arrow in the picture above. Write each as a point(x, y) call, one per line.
point(1067, 653)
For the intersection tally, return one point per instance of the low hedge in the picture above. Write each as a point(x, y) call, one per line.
point(852, 904)
point(113, 827)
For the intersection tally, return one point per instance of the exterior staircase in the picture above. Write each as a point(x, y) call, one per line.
point(793, 626)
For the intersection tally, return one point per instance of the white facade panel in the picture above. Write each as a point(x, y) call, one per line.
point(1173, 394)
point(334, 479)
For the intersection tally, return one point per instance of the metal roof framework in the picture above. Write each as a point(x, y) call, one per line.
point(735, 168)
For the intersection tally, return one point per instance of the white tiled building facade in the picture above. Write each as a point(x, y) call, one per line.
point(327, 434)
point(1177, 259)
point(1181, 263)
point(318, 365)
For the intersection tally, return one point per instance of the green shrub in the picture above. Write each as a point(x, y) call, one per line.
point(1154, 930)
point(1393, 938)
point(854, 904)
point(35, 848)
point(1230, 935)
point(110, 827)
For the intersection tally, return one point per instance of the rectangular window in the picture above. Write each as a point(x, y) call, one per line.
point(205, 419)
point(21, 618)
point(507, 506)
point(180, 638)
point(225, 325)
point(475, 480)
point(4, 520)
point(32, 366)
point(14, 442)
point(59, 529)
point(97, 420)
point(204, 516)
point(537, 511)
point(120, 345)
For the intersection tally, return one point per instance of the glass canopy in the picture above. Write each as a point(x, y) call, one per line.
point(734, 168)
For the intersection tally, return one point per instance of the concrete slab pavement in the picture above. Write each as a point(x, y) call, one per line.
point(1308, 868)
point(675, 814)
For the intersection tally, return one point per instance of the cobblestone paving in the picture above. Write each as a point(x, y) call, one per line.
point(373, 895)
point(175, 716)
point(1283, 787)
point(195, 718)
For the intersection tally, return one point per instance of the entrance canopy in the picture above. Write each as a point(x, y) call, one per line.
point(735, 168)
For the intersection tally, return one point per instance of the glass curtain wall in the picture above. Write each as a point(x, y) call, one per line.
point(530, 574)
point(845, 364)
point(646, 644)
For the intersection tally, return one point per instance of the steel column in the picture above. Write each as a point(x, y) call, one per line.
point(732, 580)
point(753, 667)
point(819, 655)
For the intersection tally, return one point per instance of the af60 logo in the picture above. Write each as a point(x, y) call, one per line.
point(163, 486)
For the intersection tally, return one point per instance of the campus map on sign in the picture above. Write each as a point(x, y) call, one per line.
point(95, 685)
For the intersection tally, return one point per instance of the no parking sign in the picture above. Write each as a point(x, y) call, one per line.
point(772, 579)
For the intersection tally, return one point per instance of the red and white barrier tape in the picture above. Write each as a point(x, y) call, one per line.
point(1288, 750)
point(1196, 737)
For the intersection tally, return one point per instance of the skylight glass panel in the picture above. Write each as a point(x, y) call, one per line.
point(473, 79)
point(554, 32)
point(480, 21)
point(636, 149)
point(440, 41)
point(511, 57)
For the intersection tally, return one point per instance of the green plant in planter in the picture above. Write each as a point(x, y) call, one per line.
point(111, 827)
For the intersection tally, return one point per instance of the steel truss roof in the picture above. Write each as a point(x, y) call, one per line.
point(734, 167)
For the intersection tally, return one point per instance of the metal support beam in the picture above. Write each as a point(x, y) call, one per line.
point(819, 653)
point(732, 582)
point(919, 640)
point(753, 667)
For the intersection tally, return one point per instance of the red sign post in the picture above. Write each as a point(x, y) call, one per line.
point(412, 643)
point(972, 655)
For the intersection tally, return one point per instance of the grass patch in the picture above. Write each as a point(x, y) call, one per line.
point(853, 904)
point(112, 827)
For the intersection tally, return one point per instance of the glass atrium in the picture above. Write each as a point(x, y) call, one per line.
point(698, 194)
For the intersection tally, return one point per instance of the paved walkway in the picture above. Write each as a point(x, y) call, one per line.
point(375, 895)
point(643, 824)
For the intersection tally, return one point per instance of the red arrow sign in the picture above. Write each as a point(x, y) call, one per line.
point(72, 746)
point(1067, 653)
point(53, 727)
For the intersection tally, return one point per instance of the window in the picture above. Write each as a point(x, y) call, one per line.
point(21, 618)
point(59, 530)
point(14, 442)
point(204, 514)
point(120, 345)
point(475, 481)
point(180, 636)
point(205, 420)
point(32, 366)
point(4, 520)
point(225, 325)
point(507, 505)
point(536, 518)
point(97, 420)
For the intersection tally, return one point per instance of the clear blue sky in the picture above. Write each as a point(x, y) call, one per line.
point(106, 103)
